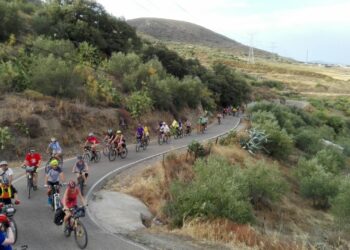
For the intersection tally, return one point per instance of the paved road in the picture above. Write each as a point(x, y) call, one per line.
point(35, 219)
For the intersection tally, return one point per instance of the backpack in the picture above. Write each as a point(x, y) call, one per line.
point(59, 216)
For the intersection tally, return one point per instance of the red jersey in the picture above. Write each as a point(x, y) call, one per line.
point(92, 140)
point(72, 197)
point(33, 159)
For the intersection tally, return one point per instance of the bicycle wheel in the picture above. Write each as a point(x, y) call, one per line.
point(80, 235)
point(124, 153)
point(106, 150)
point(160, 140)
point(137, 147)
point(97, 157)
point(29, 185)
point(112, 154)
point(86, 157)
point(81, 184)
point(13, 226)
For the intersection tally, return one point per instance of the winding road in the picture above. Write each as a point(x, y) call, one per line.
point(35, 219)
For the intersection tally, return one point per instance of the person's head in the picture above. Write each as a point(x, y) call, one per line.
point(53, 139)
point(119, 132)
point(3, 164)
point(164, 123)
point(91, 134)
point(71, 184)
point(54, 163)
point(31, 151)
point(139, 125)
point(110, 131)
point(4, 222)
point(79, 157)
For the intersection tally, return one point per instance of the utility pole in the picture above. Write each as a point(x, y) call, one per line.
point(251, 59)
point(307, 56)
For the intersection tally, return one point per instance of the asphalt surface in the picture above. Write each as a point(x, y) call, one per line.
point(34, 217)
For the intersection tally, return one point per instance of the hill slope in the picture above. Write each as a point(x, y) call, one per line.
point(185, 32)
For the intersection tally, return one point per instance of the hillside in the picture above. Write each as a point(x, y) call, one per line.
point(189, 33)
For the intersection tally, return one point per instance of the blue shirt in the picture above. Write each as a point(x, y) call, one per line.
point(2, 239)
point(55, 146)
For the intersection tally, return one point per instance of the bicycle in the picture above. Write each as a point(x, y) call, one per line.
point(106, 148)
point(9, 210)
point(55, 196)
point(30, 174)
point(75, 225)
point(114, 152)
point(188, 131)
point(141, 143)
point(81, 181)
point(90, 156)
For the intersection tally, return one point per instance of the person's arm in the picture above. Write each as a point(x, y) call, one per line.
point(10, 239)
point(86, 142)
point(64, 199)
point(73, 169)
point(46, 179)
point(10, 179)
point(62, 177)
point(48, 148)
point(81, 197)
point(86, 167)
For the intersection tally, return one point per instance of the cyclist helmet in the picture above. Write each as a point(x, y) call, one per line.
point(71, 184)
point(53, 139)
point(119, 132)
point(110, 131)
point(79, 157)
point(91, 134)
point(3, 163)
point(32, 150)
point(4, 220)
point(54, 163)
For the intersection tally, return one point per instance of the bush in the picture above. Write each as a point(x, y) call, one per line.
point(316, 184)
point(279, 143)
point(218, 190)
point(308, 140)
point(341, 205)
point(197, 149)
point(5, 137)
point(230, 139)
point(139, 103)
point(331, 159)
point(265, 183)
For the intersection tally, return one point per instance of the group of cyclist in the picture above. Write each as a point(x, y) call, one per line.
point(54, 173)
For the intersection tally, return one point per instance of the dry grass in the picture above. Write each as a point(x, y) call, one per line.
point(232, 234)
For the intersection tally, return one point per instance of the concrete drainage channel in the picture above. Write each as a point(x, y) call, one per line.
point(109, 176)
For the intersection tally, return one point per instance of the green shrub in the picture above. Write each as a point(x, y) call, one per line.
point(341, 205)
point(265, 183)
point(308, 140)
point(315, 183)
point(218, 190)
point(5, 137)
point(197, 149)
point(336, 122)
point(139, 103)
point(279, 143)
point(331, 159)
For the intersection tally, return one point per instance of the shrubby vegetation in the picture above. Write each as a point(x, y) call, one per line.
point(220, 189)
point(75, 49)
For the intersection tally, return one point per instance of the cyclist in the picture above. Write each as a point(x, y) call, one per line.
point(70, 200)
point(219, 116)
point(7, 193)
point(7, 237)
point(146, 131)
point(81, 166)
point(119, 140)
point(109, 136)
point(139, 133)
point(166, 130)
point(7, 173)
point(92, 141)
point(55, 148)
point(188, 126)
point(33, 159)
point(53, 176)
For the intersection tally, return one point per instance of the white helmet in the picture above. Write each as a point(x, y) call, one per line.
point(53, 139)
point(91, 134)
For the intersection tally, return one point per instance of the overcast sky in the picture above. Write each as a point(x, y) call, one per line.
point(317, 30)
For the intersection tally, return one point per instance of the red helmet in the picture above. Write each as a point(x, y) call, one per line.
point(4, 219)
point(71, 184)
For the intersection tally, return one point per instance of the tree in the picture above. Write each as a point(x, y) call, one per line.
point(139, 103)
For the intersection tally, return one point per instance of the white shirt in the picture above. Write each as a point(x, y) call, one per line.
point(7, 173)
point(166, 129)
